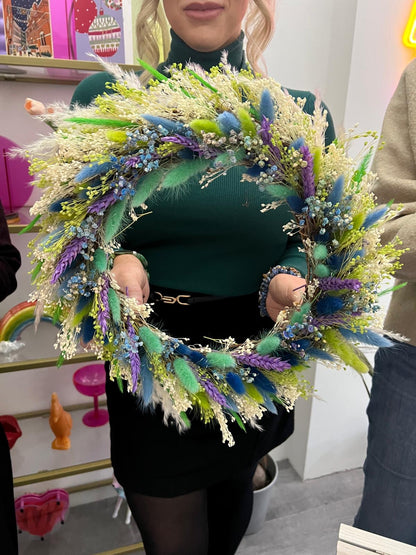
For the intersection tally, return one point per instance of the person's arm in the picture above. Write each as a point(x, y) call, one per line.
point(131, 276)
point(395, 166)
point(90, 87)
point(9, 259)
point(127, 270)
point(286, 289)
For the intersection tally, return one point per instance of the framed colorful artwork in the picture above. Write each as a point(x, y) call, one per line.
point(2, 38)
point(27, 28)
point(99, 29)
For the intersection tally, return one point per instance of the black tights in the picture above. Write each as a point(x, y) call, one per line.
point(210, 521)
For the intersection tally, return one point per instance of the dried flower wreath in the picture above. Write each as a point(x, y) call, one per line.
point(105, 160)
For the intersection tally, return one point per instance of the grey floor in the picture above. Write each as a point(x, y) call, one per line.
point(303, 519)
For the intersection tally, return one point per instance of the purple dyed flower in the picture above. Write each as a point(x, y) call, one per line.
point(336, 284)
point(266, 136)
point(141, 160)
point(135, 369)
point(132, 162)
point(213, 392)
point(192, 144)
point(133, 355)
point(101, 204)
point(329, 320)
point(263, 361)
point(308, 176)
point(103, 313)
point(70, 253)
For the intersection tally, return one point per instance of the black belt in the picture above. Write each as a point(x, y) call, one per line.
point(183, 299)
point(166, 295)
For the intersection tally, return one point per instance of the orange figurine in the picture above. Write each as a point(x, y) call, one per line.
point(60, 422)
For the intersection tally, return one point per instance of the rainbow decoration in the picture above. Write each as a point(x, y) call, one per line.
point(18, 319)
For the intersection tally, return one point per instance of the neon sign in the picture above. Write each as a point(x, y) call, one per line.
point(409, 36)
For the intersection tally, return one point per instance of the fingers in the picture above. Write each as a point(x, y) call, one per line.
point(136, 292)
point(131, 277)
point(286, 289)
point(296, 295)
point(131, 287)
point(146, 292)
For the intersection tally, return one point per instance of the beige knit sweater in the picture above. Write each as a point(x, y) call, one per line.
point(395, 165)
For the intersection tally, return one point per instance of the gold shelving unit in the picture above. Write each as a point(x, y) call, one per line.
point(46, 412)
point(48, 70)
point(135, 548)
point(17, 228)
point(18, 365)
point(22, 69)
point(24, 219)
point(64, 472)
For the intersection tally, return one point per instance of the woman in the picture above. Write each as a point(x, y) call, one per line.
point(207, 252)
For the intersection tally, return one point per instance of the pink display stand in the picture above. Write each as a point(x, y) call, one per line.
point(90, 380)
point(38, 513)
point(15, 181)
point(2, 37)
point(63, 29)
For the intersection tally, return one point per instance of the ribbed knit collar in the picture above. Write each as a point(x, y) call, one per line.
point(181, 53)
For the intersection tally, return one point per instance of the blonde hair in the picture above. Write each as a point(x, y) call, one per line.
point(153, 39)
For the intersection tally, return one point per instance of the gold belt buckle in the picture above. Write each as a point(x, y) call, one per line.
point(172, 300)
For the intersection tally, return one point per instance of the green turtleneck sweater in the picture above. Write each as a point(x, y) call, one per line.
point(214, 240)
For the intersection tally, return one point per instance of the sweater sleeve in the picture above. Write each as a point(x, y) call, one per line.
point(9, 259)
point(395, 166)
point(90, 87)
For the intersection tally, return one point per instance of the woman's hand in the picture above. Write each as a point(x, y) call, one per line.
point(284, 290)
point(132, 278)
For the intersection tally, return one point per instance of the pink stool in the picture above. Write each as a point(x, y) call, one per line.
point(37, 513)
point(90, 380)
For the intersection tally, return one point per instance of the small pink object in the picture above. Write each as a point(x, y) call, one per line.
point(38, 513)
point(90, 380)
point(15, 180)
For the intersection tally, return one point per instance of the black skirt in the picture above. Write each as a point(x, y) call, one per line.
point(152, 458)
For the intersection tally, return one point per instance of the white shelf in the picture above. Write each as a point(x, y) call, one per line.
point(38, 351)
point(33, 453)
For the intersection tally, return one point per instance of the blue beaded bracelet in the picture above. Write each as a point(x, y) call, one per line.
point(267, 278)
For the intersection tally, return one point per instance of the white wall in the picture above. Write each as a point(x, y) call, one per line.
point(356, 77)
point(312, 49)
point(378, 58)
